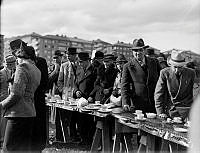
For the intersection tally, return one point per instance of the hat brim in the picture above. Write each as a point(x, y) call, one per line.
point(177, 63)
point(137, 48)
point(85, 59)
point(98, 57)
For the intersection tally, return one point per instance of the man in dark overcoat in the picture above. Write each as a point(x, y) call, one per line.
point(84, 84)
point(139, 80)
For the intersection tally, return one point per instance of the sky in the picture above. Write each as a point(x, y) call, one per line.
point(163, 24)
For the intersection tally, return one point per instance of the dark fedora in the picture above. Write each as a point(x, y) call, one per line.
point(109, 57)
point(83, 56)
point(121, 58)
point(57, 53)
point(17, 44)
point(99, 55)
point(138, 44)
point(71, 51)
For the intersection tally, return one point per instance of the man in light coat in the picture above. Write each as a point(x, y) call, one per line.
point(174, 89)
point(65, 85)
point(174, 93)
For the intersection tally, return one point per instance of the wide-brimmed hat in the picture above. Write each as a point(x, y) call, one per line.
point(138, 44)
point(10, 59)
point(71, 51)
point(99, 55)
point(83, 56)
point(177, 58)
point(17, 43)
point(57, 53)
point(121, 58)
point(109, 57)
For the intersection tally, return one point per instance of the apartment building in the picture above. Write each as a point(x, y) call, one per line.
point(123, 48)
point(47, 44)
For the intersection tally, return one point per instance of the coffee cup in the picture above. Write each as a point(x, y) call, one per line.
point(177, 119)
point(138, 111)
point(97, 102)
point(140, 116)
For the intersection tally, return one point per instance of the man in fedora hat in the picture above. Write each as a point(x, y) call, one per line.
point(139, 79)
point(65, 83)
point(84, 84)
point(142, 73)
point(177, 82)
point(174, 89)
point(98, 64)
point(109, 76)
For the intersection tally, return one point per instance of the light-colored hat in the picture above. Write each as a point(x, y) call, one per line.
point(10, 59)
point(177, 58)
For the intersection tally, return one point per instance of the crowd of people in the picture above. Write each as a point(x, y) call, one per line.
point(151, 84)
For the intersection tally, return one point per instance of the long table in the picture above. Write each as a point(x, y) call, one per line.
point(156, 127)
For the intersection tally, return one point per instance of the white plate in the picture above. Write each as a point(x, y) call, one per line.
point(176, 121)
point(105, 110)
point(52, 101)
point(180, 129)
point(86, 110)
point(95, 105)
point(72, 104)
point(91, 108)
point(141, 119)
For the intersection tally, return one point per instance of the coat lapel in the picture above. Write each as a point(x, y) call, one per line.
point(174, 85)
point(183, 83)
point(84, 75)
point(137, 71)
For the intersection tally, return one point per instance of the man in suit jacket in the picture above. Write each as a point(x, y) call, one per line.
point(174, 92)
point(177, 83)
point(139, 79)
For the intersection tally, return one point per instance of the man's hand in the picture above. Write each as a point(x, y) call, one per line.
point(90, 99)
point(78, 94)
point(163, 115)
point(126, 108)
point(106, 91)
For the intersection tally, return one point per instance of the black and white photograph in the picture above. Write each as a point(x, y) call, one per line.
point(92, 76)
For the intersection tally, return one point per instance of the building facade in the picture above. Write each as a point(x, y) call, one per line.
point(123, 48)
point(46, 45)
point(1, 49)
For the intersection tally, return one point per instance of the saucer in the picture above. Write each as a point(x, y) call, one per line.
point(105, 110)
point(143, 119)
point(180, 129)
